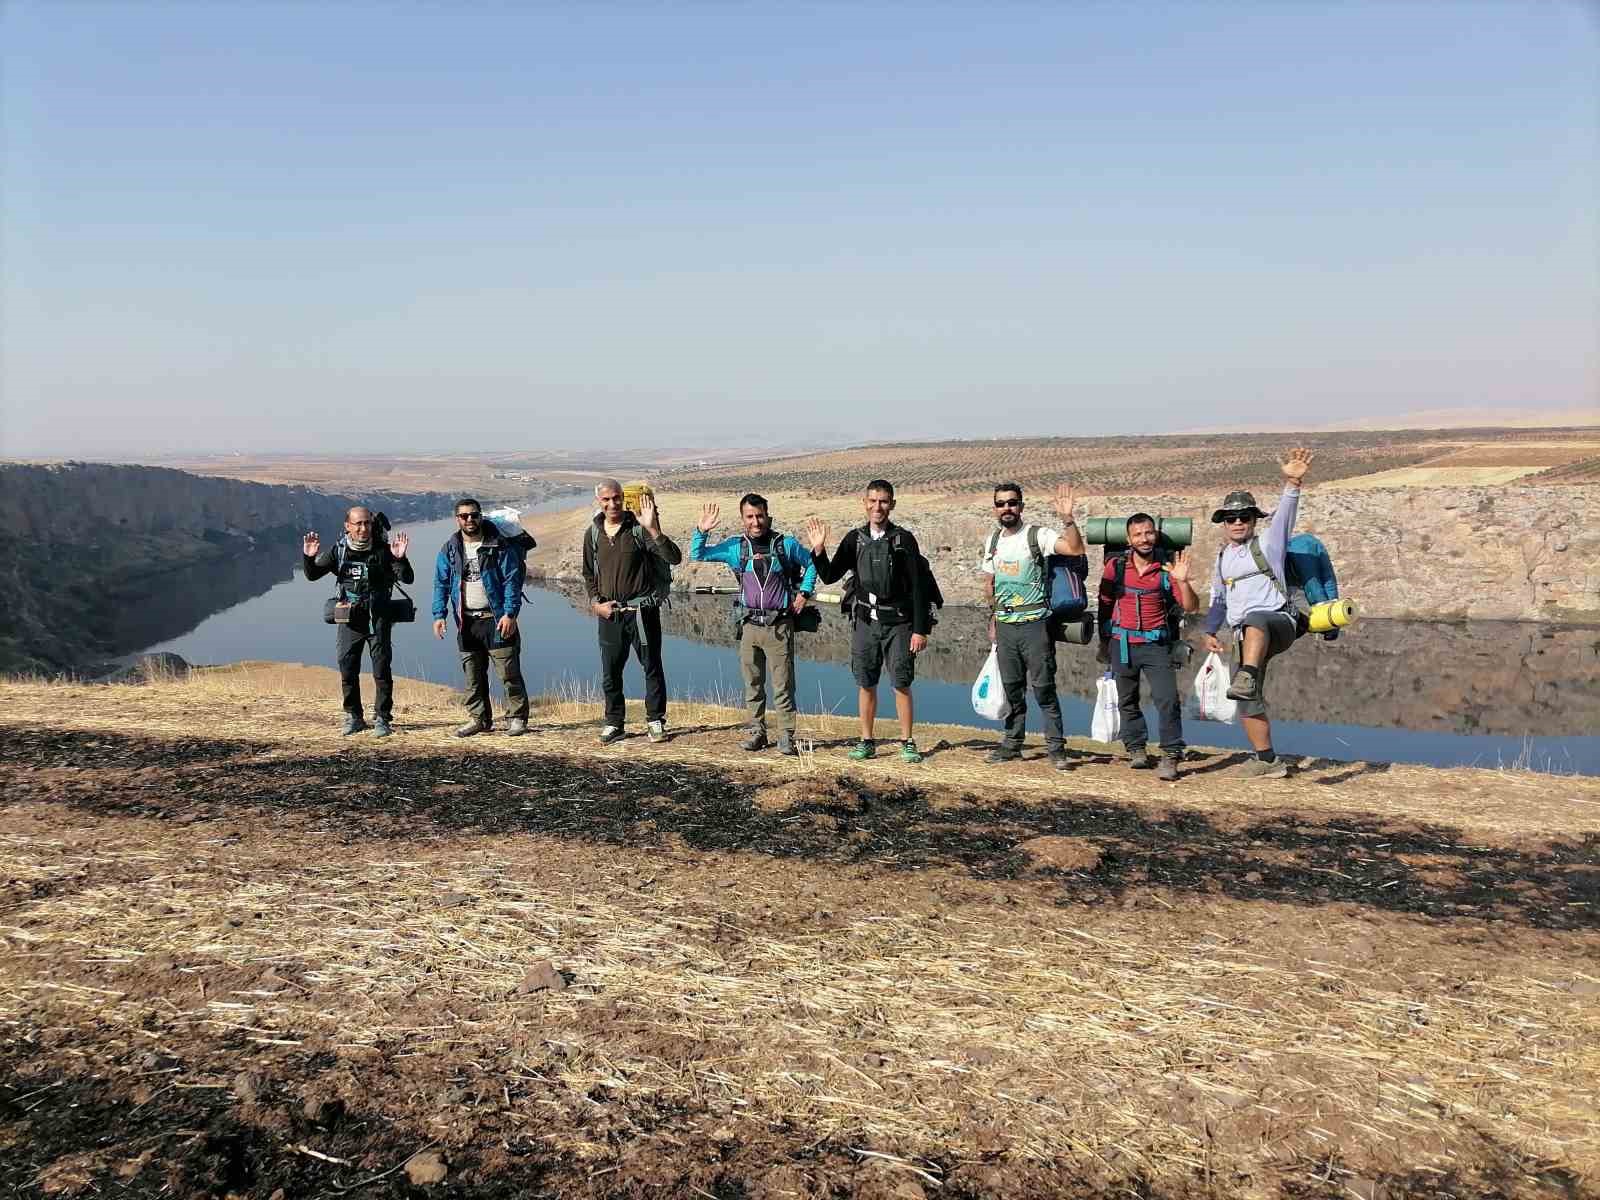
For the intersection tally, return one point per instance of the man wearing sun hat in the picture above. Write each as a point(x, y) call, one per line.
point(1249, 594)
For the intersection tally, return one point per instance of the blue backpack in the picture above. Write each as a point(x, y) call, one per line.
point(1064, 590)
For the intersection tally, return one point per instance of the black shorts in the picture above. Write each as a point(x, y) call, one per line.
point(875, 645)
point(1282, 629)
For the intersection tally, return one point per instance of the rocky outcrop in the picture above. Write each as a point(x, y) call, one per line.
point(1479, 553)
point(82, 542)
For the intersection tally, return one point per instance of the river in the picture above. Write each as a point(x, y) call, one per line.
point(1447, 694)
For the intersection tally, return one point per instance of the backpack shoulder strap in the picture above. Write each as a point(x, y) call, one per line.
point(994, 543)
point(1264, 566)
point(1033, 545)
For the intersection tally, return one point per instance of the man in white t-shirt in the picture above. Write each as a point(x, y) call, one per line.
point(1017, 587)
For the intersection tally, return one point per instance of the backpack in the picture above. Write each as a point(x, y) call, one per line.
point(770, 602)
point(1119, 586)
point(660, 571)
point(1064, 589)
point(1309, 571)
point(874, 575)
point(379, 583)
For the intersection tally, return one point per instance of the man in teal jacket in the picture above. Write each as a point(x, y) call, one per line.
point(775, 577)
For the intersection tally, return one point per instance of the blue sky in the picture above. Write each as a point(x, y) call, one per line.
point(262, 226)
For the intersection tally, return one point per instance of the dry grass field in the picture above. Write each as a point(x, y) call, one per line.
point(243, 956)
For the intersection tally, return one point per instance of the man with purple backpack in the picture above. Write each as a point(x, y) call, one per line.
point(775, 577)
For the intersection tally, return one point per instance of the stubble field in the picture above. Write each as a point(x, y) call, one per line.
point(270, 961)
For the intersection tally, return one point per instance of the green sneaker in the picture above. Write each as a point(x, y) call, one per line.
point(865, 748)
point(909, 752)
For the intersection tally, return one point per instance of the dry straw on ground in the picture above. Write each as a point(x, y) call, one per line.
point(930, 1019)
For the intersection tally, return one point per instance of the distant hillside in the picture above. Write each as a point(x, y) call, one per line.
point(76, 539)
point(1193, 463)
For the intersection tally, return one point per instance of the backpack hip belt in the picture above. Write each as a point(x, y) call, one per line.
point(1123, 635)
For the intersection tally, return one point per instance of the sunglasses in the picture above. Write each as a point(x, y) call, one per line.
point(471, 516)
point(1235, 518)
point(1008, 503)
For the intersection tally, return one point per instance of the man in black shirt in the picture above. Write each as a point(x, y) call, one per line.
point(367, 567)
point(889, 605)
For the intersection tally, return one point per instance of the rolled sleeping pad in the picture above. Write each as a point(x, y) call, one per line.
point(1074, 633)
point(1112, 532)
point(1331, 615)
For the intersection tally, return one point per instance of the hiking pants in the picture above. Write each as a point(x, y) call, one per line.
point(618, 636)
point(1028, 662)
point(764, 650)
point(348, 642)
point(1155, 660)
point(479, 643)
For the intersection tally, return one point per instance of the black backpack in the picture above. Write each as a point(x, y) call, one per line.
point(874, 573)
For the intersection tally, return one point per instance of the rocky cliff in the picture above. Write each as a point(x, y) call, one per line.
point(1483, 553)
point(79, 541)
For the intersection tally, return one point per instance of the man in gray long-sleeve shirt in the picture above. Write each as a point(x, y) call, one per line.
point(1249, 591)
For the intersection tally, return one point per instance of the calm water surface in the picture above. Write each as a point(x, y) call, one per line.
point(1478, 693)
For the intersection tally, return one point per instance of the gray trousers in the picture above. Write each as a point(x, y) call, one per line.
point(1028, 662)
point(1154, 660)
point(768, 650)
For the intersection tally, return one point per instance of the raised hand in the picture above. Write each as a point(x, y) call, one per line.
point(648, 517)
point(310, 544)
point(398, 544)
point(817, 534)
point(1299, 463)
point(1066, 498)
point(709, 516)
point(1180, 565)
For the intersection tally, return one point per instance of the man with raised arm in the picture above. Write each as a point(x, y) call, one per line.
point(1249, 594)
point(775, 577)
point(367, 568)
point(1142, 598)
point(1016, 581)
point(889, 605)
point(477, 578)
point(624, 560)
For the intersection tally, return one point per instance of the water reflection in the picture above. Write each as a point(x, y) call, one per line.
point(1467, 677)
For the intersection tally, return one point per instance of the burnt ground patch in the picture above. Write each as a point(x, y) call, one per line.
point(1430, 870)
point(109, 1132)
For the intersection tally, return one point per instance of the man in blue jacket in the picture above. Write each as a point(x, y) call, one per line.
point(477, 578)
point(775, 577)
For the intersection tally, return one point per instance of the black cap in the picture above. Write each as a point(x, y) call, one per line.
point(1237, 502)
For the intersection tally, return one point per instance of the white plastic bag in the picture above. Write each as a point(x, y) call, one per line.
point(507, 520)
point(1107, 721)
point(1209, 699)
point(988, 696)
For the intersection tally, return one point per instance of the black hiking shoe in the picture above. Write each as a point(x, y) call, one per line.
point(1140, 759)
point(1168, 770)
point(1002, 754)
point(757, 739)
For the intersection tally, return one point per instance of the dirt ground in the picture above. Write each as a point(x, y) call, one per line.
point(240, 955)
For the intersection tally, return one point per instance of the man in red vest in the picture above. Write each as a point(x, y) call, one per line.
point(1142, 602)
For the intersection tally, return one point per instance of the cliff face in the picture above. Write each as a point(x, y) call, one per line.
point(1480, 553)
point(81, 541)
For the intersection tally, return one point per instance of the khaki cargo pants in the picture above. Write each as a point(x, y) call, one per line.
point(768, 650)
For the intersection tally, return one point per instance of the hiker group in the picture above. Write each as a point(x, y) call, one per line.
point(1034, 579)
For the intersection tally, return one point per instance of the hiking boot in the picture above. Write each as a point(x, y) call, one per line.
point(516, 727)
point(472, 727)
point(1140, 759)
point(865, 748)
point(786, 743)
point(381, 728)
point(909, 752)
point(1061, 760)
point(1002, 754)
point(353, 723)
point(1245, 686)
point(757, 739)
point(656, 731)
point(611, 733)
point(1168, 769)
point(1256, 769)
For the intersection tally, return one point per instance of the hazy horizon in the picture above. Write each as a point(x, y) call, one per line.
point(367, 228)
